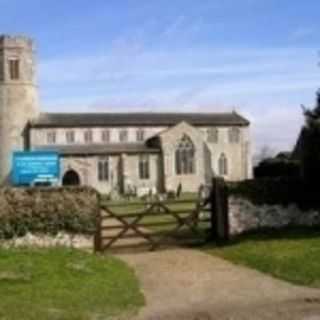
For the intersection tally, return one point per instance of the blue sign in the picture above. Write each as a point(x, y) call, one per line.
point(35, 167)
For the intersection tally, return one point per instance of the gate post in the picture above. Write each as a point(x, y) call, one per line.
point(219, 210)
point(98, 231)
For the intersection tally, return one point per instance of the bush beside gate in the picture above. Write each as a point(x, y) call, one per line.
point(47, 210)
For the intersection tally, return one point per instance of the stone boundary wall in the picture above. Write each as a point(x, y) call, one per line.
point(245, 216)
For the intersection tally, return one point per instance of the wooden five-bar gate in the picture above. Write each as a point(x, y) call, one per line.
point(160, 223)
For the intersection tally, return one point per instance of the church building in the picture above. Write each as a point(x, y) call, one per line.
point(117, 151)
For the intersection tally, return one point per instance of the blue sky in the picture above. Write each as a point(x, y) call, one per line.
point(259, 57)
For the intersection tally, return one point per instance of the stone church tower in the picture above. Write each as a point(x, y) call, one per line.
point(18, 97)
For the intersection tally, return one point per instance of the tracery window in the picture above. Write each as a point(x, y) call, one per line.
point(185, 156)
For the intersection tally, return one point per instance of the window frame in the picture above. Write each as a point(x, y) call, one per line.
point(123, 135)
point(213, 135)
point(223, 165)
point(106, 135)
point(51, 137)
point(234, 135)
point(140, 135)
point(70, 136)
point(144, 167)
point(103, 169)
point(185, 159)
point(88, 136)
point(14, 68)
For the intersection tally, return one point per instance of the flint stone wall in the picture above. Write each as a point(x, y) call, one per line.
point(245, 216)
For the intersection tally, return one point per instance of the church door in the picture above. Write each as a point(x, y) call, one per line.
point(71, 178)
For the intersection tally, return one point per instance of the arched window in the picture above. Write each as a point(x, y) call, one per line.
point(234, 135)
point(223, 165)
point(103, 169)
point(144, 172)
point(185, 156)
point(213, 135)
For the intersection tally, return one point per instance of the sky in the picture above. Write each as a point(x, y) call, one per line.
point(258, 57)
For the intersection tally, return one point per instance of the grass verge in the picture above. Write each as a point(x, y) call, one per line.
point(292, 254)
point(65, 284)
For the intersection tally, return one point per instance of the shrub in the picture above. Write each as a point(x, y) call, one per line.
point(47, 210)
point(282, 191)
point(274, 168)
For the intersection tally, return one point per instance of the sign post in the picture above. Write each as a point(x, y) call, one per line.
point(35, 168)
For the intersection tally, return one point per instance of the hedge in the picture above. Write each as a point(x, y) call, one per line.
point(47, 210)
point(283, 191)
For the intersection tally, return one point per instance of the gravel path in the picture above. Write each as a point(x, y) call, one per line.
point(191, 285)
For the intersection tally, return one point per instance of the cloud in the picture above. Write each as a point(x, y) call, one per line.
point(264, 84)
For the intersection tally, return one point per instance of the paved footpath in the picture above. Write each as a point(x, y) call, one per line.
point(191, 285)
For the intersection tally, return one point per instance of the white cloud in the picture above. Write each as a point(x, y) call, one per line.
point(135, 78)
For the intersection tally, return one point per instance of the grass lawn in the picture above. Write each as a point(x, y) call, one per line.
point(64, 284)
point(292, 255)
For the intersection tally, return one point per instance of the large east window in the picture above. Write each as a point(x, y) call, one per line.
point(103, 169)
point(185, 157)
point(144, 167)
point(14, 68)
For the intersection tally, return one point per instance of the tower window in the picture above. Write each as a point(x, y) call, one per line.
point(14, 69)
point(103, 169)
point(51, 137)
point(70, 137)
point(88, 136)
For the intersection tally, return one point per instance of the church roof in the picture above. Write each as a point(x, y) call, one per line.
point(100, 149)
point(137, 119)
